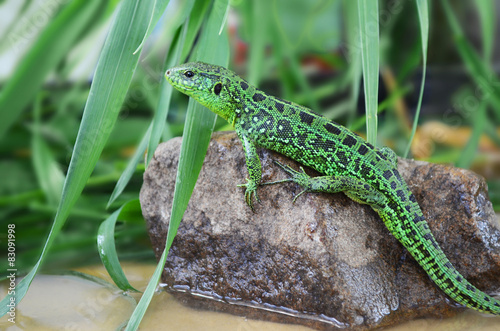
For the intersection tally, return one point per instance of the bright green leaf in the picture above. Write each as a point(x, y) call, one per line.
point(423, 15)
point(107, 250)
point(212, 48)
point(369, 38)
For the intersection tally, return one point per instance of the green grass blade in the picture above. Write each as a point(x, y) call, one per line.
point(486, 9)
point(352, 55)
point(180, 14)
point(183, 44)
point(59, 37)
point(369, 36)
point(198, 13)
point(107, 250)
point(259, 27)
point(130, 169)
point(423, 16)
point(112, 78)
point(212, 48)
point(48, 172)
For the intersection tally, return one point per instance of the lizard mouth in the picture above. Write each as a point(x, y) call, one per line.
point(176, 81)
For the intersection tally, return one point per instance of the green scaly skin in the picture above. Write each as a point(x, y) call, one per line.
point(349, 164)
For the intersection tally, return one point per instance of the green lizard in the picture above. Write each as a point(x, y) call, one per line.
point(349, 164)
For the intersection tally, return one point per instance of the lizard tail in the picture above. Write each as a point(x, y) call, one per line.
point(419, 241)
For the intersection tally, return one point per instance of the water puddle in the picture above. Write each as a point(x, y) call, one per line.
point(69, 302)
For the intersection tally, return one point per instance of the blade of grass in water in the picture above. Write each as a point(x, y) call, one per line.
point(212, 48)
point(107, 250)
point(423, 16)
point(369, 35)
point(110, 84)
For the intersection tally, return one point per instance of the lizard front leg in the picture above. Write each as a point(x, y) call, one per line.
point(253, 167)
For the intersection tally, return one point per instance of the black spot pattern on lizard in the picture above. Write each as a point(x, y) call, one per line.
point(394, 185)
point(401, 195)
point(266, 125)
point(418, 219)
point(244, 85)
point(279, 106)
point(349, 141)
point(362, 150)
point(258, 97)
point(283, 128)
point(341, 155)
point(387, 174)
point(332, 129)
point(306, 118)
point(429, 237)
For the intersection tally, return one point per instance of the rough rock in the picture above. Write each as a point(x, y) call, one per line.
point(323, 261)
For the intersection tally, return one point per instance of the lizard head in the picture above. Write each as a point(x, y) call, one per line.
point(210, 85)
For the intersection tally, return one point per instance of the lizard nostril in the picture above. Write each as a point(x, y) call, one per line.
point(168, 72)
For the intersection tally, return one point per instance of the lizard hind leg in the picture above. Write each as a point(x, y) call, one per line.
point(354, 188)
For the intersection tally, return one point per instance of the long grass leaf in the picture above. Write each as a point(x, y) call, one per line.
point(58, 37)
point(198, 13)
point(423, 16)
point(48, 173)
point(259, 36)
point(107, 250)
point(352, 54)
point(486, 9)
point(213, 48)
point(112, 78)
point(172, 58)
point(369, 37)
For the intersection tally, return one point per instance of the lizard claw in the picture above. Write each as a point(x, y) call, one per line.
point(250, 193)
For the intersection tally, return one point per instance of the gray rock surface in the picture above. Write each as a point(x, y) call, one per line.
point(323, 261)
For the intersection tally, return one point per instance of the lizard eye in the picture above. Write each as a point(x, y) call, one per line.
point(189, 74)
point(217, 88)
